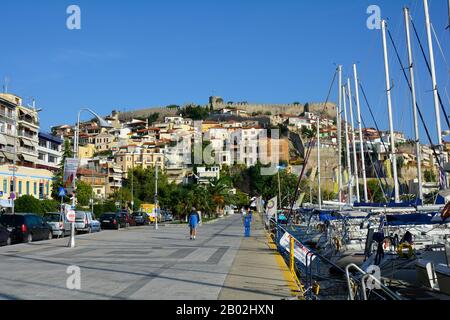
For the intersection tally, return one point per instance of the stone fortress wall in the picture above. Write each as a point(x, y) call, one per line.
point(217, 103)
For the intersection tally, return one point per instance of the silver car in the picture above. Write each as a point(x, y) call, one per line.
point(84, 222)
point(58, 222)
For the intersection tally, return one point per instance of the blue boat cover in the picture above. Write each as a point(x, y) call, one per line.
point(411, 219)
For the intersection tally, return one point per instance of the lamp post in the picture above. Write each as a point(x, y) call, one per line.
point(103, 123)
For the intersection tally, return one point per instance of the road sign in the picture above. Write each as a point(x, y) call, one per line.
point(70, 215)
point(61, 192)
point(13, 168)
point(1, 193)
point(12, 196)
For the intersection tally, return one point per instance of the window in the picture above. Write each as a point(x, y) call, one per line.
point(34, 188)
point(42, 143)
point(28, 188)
point(47, 187)
point(41, 191)
point(20, 187)
point(11, 186)
point(51, 159)
point(5, 186)
point(41, 156)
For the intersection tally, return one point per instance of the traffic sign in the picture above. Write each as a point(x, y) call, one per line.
point(70, 215)
point(1, 193)
point(61, 192)
point(12, 196)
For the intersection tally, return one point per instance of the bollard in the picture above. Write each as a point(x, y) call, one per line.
point(247, 225)
point(291, 255)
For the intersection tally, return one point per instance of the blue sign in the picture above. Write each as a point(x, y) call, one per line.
point(61, 192)
point(1, 193)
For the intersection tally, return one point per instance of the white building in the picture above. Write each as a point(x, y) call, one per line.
point(49, 151)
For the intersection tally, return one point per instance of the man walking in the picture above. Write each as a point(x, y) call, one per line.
point(193, 220)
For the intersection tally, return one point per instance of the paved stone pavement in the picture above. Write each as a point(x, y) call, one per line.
point(138, 263)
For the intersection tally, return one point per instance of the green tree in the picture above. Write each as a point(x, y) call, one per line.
point(28, 204)
point(195, 112)
point(84, 193)
point(153, 118)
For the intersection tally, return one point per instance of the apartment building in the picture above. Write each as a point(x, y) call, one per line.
point(8, 104)
point(49, 151)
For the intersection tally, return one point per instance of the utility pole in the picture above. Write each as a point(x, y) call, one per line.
point(391, 121)
point(414, 102)
point(156, 197)
point(347, 146)
point(361, 138)
point(338, 121)
point(355, 160)
point(443, 160)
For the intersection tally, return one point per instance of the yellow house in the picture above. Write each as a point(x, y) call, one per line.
point(87, 151)
point(206, 125)
point(29, 181)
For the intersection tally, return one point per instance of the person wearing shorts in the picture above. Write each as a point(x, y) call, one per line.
point(193, 220)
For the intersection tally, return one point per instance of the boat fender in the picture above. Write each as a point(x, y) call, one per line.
point(445, 214)
point(403, 246)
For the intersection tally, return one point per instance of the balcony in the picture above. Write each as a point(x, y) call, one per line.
point(7, 115)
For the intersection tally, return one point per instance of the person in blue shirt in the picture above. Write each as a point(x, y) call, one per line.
point(193, 220)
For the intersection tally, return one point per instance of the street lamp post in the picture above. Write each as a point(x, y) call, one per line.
point(156, 197)
point(102, 123)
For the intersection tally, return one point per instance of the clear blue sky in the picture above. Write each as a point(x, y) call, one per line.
point(133, 54)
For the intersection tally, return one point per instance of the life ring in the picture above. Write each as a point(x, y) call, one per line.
point(405, 246)
point(445, 214)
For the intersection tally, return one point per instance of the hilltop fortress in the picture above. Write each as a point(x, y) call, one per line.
point(217, 103)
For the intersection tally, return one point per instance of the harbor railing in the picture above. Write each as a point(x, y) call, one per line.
point(311, 271)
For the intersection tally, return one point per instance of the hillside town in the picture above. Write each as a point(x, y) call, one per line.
point(233, 134)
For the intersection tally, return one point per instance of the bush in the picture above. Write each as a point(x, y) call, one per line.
point(28, 204)
point(50, 206)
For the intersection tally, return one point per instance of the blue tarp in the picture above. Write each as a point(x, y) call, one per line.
point(410, 219)
point(406, 204)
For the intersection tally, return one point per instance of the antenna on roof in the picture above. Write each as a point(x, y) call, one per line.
point(5, 85)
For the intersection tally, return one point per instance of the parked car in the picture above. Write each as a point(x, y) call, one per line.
point(113, 220)
point(167, 216)
point(5, 236)
point(95, 225)
point(83, 222)
point(140, 218)
point(26, 227)
point(58, 221)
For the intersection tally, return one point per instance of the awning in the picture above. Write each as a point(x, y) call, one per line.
point(29, 158)
point(116, 170)
point(28, 143)
point(6, 140)
point(8, 156)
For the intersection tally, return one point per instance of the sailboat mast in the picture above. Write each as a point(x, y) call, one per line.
point(414, 102)
point(352, 127)
point(391, 121)
point(361, 139)
point(339, 137)
point(347, 147)
point(318, 165)
point(448, 6)
point(435, 91)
